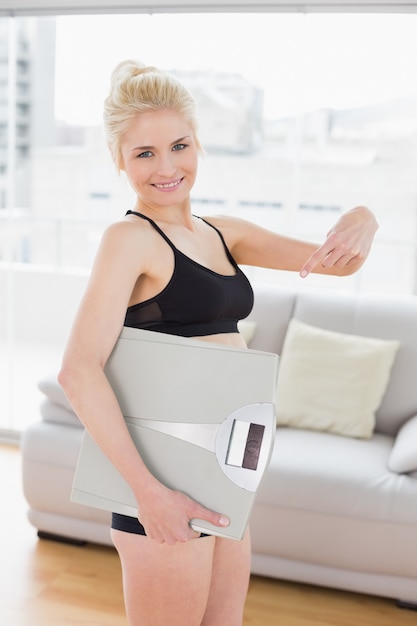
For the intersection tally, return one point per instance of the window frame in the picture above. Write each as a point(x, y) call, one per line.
point(62, 7)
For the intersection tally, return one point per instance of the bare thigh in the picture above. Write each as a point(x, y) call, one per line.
point(165, 584)
point(201, 582)
point(229, 582)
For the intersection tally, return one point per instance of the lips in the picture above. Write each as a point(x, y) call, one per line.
point(168, 186)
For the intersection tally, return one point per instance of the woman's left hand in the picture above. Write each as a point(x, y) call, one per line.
point(348, 242)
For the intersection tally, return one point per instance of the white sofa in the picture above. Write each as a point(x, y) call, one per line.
point(332, 510)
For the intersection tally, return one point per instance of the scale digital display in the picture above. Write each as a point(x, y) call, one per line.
point(245, 444)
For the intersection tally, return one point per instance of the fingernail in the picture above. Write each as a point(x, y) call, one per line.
point(224, 521)
point(303, 273)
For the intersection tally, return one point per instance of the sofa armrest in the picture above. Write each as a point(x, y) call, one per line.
point(403, 456)
point(56, 414)
point(53, 390)
point(55, 406)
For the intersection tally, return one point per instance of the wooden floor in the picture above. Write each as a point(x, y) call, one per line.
point(44, 583)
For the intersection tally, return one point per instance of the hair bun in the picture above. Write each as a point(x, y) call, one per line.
point(126, 70)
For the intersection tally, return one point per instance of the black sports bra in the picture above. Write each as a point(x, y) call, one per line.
point(196, 301)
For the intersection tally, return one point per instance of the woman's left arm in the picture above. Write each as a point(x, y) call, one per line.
point(343, 252)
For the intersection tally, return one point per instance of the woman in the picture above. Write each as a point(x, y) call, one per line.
point(164, 269)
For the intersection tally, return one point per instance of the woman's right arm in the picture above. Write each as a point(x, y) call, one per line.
point(164, 513)
point(95, 330)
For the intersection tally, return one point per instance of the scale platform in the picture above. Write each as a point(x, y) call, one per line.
point(202, 416)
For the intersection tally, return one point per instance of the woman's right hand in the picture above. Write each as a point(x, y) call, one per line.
point(166, 514)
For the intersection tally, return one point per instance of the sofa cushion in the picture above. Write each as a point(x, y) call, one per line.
point(332, 381)
point(403, 457)
point(337, 476)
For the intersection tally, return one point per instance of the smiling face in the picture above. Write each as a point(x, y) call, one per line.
point(160, 157)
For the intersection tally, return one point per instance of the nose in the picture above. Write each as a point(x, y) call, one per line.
point(166, 165)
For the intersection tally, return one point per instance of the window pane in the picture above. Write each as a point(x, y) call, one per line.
point(300, 122)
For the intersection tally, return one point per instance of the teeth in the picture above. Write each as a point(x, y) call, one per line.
point(168, 185)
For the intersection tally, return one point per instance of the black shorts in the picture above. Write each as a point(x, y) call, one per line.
point(129, 524)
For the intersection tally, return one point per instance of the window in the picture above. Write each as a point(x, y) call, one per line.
point(300, 120)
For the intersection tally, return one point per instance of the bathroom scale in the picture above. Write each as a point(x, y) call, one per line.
point(201, 415)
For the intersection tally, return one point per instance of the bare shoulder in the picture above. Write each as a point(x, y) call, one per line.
point(124, 254)
point(252, 244)
point(127, 238)
point(233, 229)
point(241, 234)
point(126, 230)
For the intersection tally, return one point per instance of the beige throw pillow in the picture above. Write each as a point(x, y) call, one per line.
point(332, 381)
point(247, 329)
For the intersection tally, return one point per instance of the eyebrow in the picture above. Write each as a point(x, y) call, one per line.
point(144, 148)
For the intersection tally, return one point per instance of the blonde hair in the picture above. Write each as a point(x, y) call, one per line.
point(136, 88)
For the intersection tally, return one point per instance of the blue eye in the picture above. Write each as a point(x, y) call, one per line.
point(179, 146)
point(145, 155)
